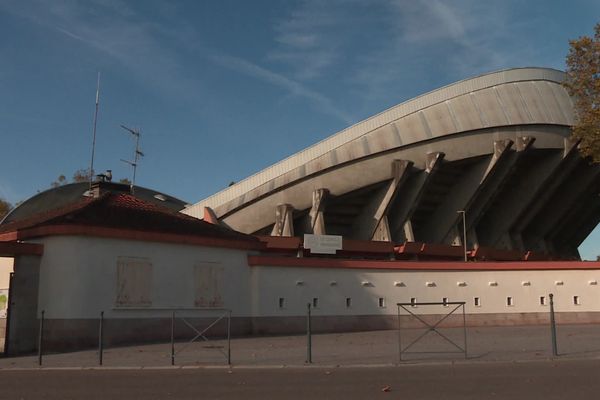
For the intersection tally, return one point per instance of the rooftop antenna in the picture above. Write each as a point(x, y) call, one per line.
point(136, 155)
point(94, 130)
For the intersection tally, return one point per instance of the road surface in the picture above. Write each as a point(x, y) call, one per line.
point(562, 379)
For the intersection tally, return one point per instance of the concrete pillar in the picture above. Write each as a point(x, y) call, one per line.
point(555, 216)
point(371, 223)
point(284, 221)
point(407, 199)
point(317, 211)
point(578, 222)
point(503, 168)
point(382, 231)
point(409, 234)
point(441, 226)
point(535, 176)
point(546, 190)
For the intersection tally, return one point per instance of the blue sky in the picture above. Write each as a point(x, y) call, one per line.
point(222, 89)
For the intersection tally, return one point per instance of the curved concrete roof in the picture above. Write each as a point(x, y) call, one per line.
point(519, 96)
point(496, 146)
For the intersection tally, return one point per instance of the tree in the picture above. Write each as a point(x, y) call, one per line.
point(5, 207)
point(61, 180)
point(82, 175)
point(583, 84)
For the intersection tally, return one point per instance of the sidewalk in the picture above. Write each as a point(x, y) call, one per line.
point(520, 343)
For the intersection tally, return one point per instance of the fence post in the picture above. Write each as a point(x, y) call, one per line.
point(553, 326)
point(308, 337)
point(465, 328)
point(173, 338)
point(229, 338)
point(399, 338)
point(41, 338)
point(100, 338)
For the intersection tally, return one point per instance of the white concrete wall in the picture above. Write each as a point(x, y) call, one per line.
point(78, 277)
point(366, 287)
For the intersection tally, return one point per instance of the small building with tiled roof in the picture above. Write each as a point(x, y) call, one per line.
point(124, 256)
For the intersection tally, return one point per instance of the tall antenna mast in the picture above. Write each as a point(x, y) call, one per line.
point(136, 155)
point(94, 130)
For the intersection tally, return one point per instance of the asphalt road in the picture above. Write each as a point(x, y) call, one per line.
point(573, 379)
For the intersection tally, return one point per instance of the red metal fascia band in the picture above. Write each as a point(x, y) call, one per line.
point(313, 262)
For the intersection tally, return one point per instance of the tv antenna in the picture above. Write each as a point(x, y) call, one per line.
point(136, 155)
point(94, 130)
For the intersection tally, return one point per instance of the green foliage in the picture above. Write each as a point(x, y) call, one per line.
point(82, 175)
point(61, 180)
point(583, 84)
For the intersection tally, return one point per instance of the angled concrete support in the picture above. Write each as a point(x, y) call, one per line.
point(317, 211)
point(533, 175)
point(577, 224)
point(547, 189)
point(409, 233)
point(441, 225)
point(407, 199)
point(371, 223)
point(382, 231)
point(504, 163)
point(284, 222)
point(555, 216)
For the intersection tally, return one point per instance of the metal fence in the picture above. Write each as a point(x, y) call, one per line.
point(183, 316)
point(416, 326)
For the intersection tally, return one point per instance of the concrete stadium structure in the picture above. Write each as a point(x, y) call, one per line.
point(496, 146)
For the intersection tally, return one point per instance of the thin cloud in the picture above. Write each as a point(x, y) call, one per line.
point(313, 37)
point(466, 37)
point(320, 102)
point(115, 30)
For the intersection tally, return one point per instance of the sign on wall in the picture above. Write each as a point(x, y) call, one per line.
point(322, 244)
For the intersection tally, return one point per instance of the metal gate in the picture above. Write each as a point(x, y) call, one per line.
point(432, 327)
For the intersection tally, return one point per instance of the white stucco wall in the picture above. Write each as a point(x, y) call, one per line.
point(78, 277)
point(269, 284)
